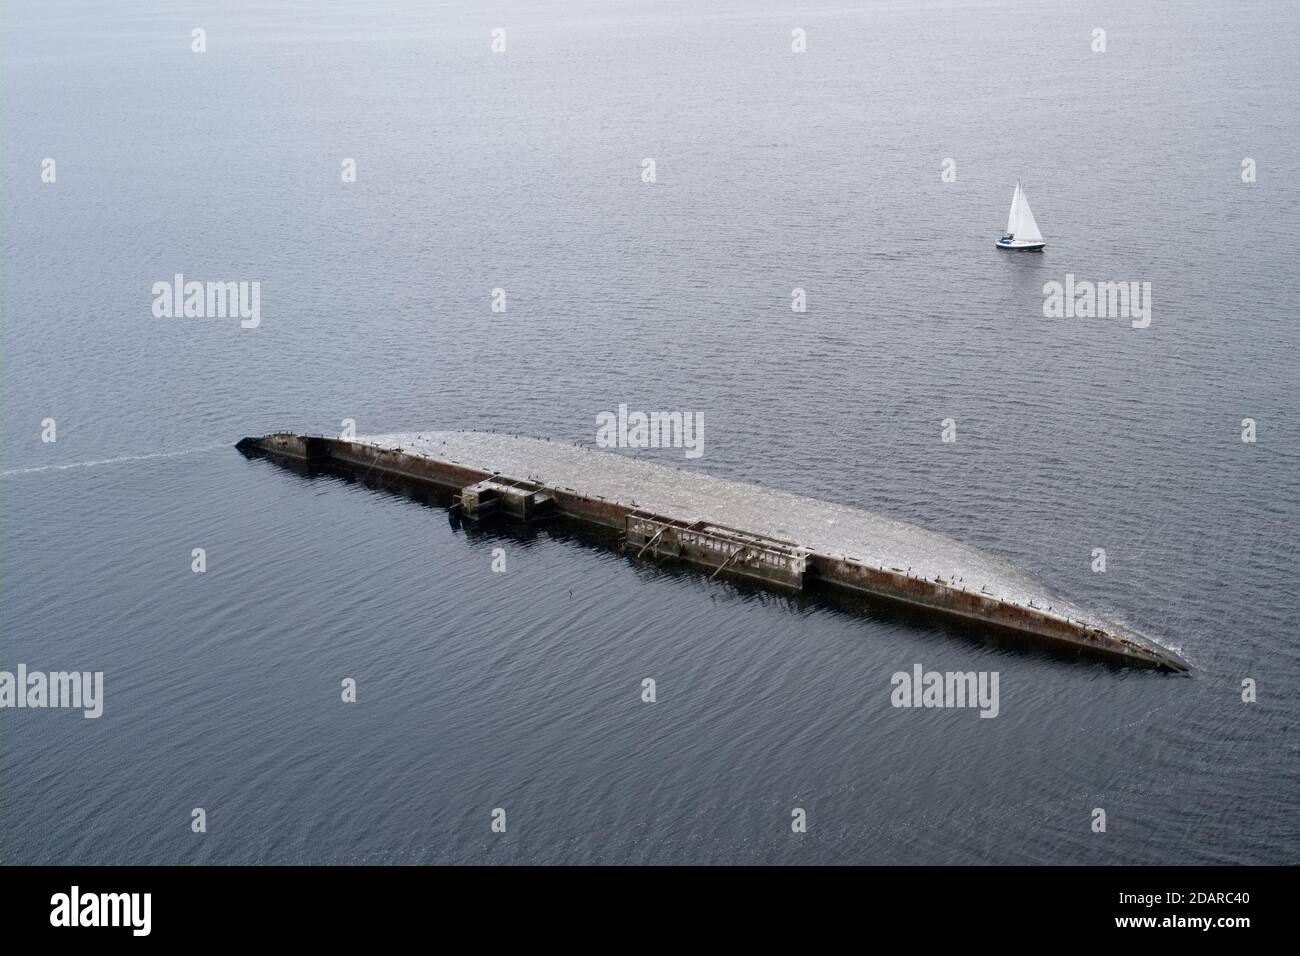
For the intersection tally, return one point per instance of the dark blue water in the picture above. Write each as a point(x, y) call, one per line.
point(521, 170)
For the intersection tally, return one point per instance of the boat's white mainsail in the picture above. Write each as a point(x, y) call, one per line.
point(1020, 221)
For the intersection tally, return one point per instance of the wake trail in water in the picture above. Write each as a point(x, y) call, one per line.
point(15, 472)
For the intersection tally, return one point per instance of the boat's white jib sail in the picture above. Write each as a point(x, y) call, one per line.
point(1027, 228)
point(1020, 221)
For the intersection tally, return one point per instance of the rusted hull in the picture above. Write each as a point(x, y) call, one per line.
point(722, 550)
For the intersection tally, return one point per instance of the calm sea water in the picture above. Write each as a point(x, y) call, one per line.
point(521, 170)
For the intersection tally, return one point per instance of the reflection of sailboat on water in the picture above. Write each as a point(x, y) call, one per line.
point(1022, 231)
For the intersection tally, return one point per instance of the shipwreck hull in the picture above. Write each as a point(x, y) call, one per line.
point(721, 527)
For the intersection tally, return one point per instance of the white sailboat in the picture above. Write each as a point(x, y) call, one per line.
point(1022, 230)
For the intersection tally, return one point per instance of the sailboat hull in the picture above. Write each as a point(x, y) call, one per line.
point(1017, 245)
